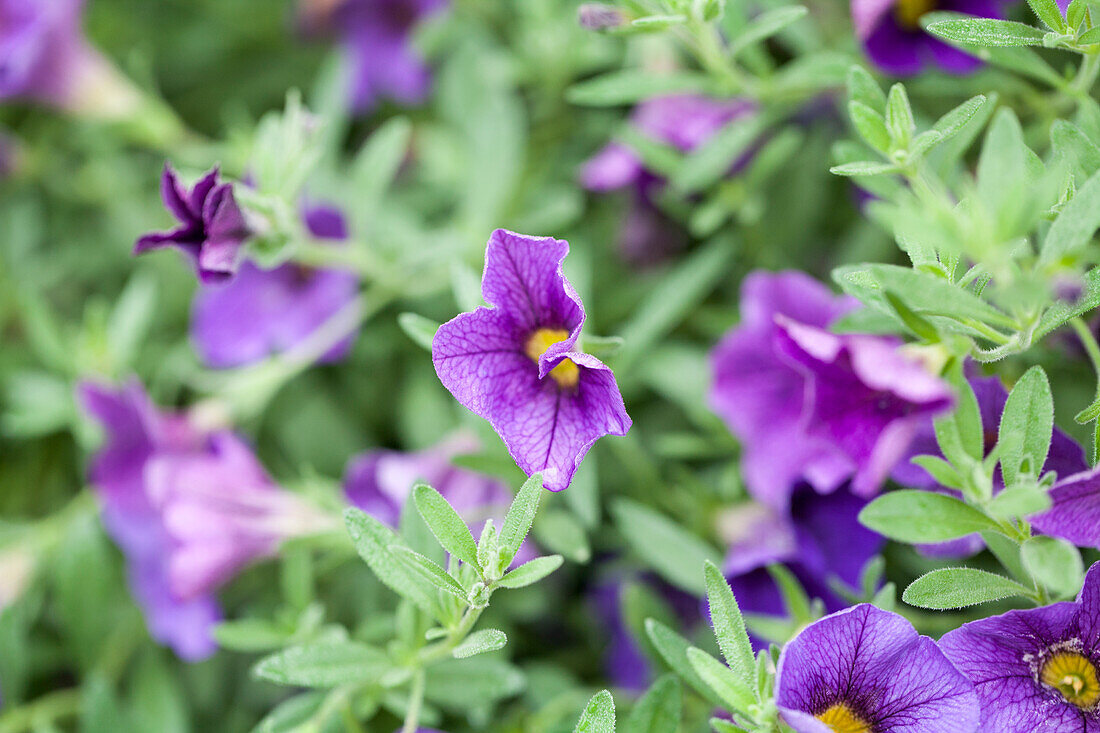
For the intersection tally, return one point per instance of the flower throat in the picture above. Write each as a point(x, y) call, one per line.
point(908, 12)
point(840, 718)
point(1074, 676)
point(566, 374)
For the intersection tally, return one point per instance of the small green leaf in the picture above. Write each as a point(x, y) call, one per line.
point(986, 32)
point(960, 587)
point(664, 545)
point(517, 523)
point(729, 626)
point(480, 642)
point(954, 121)
point(428, 570)
point(1075, 14)
point(673, 648)
point(531, 571)
point(1027, 424)
point(1055, 563)
point(326, 664)
point(598, 715)
point(1090, 37)
point(373, 541)
point(899, 116)
point(1072, 231)
point(795, 599)
point(1049, 12)
point(250, 635)
point(916, 517)
point(863, 88)
point(658, 711)
point(863, 168)
point(736, 693)
point(560, 531)
point(870, 126)
point(1021, 500)
point(764, 26)
point(445, 524)
point(634, 85)
point(418, 328)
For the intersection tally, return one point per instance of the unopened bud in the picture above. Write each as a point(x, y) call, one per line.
point(599, 17)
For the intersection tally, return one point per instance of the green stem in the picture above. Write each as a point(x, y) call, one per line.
point(416, 701)
point(1088, 341)
point(1086, 76)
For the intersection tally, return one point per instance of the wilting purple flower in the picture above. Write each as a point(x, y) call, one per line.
point(894, 40)
point(864, 669)
point(377, 37)
point(762, 396)
point(212, 228)
point(516, 363)
point(262, 312)
point(189, 507)
point(1035, 670)
point(819, 539)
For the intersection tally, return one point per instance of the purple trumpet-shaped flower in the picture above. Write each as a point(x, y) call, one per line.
point(263, 312)
point(891, 34)
point(188, 506)
point(864, 670)
point(1075, 511)
point(516, 363)
point(819, 538)
point(1035, 670)
point(212, 227)
point(377, 38)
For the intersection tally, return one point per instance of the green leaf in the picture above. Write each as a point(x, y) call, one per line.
point(1061, 312)
point(673, 649)
point(659, 22)
point(1073, 229)
point(1027, 424)
point(951, 123)
point(560, 531)
point(634, 85)
point(531, 571)
point(1090, 37)
point(517, 523)
point(1021, 500)
point(598, 715)
point(668, 548)
point(1049, 12)
point(1055, 563)
point(445, 524)
point(795, 599)
point(428, 570)
point(418, 328)
point(986, 32)
point(250, 635)
point(480, 642)
point(899, 116)
point(863, 88)
point(764, 26)
point(870, 126)
point(373, 541)
point(658, 711)
point(1075, 14)
point(736, 693)
point(863, 168)
point(960, 587)
point(920, 327)
point(471, 684)
point(729, 626)
point(325, 664)
point(376, 165)
point(711, 161)
point(917, 517)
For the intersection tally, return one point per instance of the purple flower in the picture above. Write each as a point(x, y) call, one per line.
point(600, 17)
point(377, 37)
point(262, 312)
point(894, 40)
point(819, 538)
point(212, 228)
point(864, 669)
point(41, 49)
point(1075, 511)
point(762, 396)
point(1035, 670)
point(189, 507)
point(516, 363)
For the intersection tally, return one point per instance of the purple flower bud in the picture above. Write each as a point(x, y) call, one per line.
point(599, 17)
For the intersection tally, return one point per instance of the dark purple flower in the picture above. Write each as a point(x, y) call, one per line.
point(894, 40)
point(263, 312)
point(1075, 511)
point(212, 228)
point(1035, 670)
point(516, 363)
point(42, 49)
point(377, 37)
point(189, 507)
point(819, 539)
point(864, 670)
point(762, 397)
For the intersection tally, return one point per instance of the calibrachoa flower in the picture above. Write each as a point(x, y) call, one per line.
point(819, 538)
point(761, 395)
point(262, 312)
point(865, 670)
point(1035, 670)
point(1075, 511)
point(212, 227)
point(894, 40)
point(188, 506)
point(377, 36)
point(516, 363)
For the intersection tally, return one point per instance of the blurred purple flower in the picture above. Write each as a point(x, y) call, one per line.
point(819, 539)
point(762, 396)
point(516, 363)
point(263, 312)
point(212, 228)
point(377, 37)
point(1035, 670)
point(864, 669)
point(600, 17)
point(895, 42)
point(189, 507)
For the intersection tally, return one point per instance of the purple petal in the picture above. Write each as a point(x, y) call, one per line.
point(1075, 514)
point(615, 166)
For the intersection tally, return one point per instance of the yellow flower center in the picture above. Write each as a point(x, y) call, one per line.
point(1074, 676)
point(908, 12)
point(840, 718)
point(566, 374)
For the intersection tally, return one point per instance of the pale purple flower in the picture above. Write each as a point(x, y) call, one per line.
point(600, 17)
point(212, 227)
point(189, 507)
point(517, 365)
point(377, 38)
point(891, 34)
point(864, 669)
point(1035, 670)
point(264, 312)
point(762, 396)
